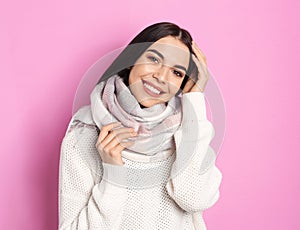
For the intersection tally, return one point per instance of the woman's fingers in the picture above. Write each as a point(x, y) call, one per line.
point(112, 140)
point(115, 156)
point(202, 78)
point(200, 61)
point(106, 129)
point(120, 139)
point(116, 136)
point(203, 71)
point(200, 55)
point(200, 58)
point(199, 76)
point(120, 147)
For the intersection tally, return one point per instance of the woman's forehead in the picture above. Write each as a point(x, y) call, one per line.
point(175, 52)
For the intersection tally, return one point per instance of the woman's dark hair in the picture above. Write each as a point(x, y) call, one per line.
point(127, 58)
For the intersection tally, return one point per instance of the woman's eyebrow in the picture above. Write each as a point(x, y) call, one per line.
point(162, 57)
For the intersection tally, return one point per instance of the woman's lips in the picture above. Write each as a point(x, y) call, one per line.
point(151, 89)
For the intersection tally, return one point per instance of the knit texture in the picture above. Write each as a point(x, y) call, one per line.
point(167, 191)
point(112, 101)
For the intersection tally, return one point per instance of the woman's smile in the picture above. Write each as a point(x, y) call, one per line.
point(151, 89)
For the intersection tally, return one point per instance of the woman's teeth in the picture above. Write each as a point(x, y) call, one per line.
point(152, 89)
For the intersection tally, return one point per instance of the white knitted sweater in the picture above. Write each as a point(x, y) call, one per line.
point(167, 191)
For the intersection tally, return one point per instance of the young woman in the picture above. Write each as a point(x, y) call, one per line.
point(138, 157)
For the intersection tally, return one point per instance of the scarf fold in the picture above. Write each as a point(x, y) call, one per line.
point(112, 101)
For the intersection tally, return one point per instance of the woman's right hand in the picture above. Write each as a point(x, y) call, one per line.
point(197, 83)
point(112, 141)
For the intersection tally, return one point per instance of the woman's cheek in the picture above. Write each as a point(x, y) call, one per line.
point(174, 87)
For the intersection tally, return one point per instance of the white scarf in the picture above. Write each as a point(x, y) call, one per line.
point(112, 101)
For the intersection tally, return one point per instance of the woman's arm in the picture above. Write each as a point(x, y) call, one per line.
point(85, 200)
point(194, 180)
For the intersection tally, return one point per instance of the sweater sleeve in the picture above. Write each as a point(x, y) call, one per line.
point(85, 200)
point(194, 179)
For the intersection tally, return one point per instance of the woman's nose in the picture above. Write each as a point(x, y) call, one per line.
point(162, 74)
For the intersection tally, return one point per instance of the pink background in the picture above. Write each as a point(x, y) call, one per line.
point(253, 49)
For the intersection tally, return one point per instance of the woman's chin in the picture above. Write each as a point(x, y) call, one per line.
point(150, 103)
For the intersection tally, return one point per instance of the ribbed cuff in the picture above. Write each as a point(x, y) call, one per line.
point(109, 188)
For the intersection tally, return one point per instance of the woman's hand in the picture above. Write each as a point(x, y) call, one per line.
point(111, 142)
point(197, 83)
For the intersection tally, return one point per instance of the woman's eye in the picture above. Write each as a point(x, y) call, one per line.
point(178, 73)
point(153, 59)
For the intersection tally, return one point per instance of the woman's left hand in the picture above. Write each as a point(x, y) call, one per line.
point(197, 83)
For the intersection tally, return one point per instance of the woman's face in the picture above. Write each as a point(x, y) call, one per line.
point(158, 73)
